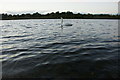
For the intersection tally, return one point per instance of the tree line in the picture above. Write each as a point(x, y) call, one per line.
point(58, 15)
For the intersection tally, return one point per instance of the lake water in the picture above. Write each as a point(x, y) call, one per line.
point(42, 49)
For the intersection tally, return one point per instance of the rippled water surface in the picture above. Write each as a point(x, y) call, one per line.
point(42, 49)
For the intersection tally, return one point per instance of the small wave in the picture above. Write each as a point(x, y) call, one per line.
point(13, 51)
point(28, 27)
point(16, 36)
point(8, 25)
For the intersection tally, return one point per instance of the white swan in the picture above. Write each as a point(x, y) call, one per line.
point(67, 24)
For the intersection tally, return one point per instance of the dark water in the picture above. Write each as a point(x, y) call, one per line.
point(42, 49)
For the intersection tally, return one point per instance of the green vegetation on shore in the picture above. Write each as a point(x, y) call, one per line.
point(57, 15)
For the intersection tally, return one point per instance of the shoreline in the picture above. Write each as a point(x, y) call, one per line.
point(64, 19)
point(58, 15)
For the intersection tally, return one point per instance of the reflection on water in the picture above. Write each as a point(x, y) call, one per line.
point(41, 48)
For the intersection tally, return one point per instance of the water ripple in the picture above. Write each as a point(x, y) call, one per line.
point(41, 48)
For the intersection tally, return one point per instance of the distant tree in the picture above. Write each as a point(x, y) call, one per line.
point(36, 15)
point(57, 12)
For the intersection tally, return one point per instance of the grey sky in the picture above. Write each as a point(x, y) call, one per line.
point(44, 6)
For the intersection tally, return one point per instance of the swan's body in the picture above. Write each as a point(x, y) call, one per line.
point(67, 24)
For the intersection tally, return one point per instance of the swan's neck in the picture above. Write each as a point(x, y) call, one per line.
point(61, 21)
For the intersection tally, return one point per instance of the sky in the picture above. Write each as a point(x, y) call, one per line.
point(46, 6)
